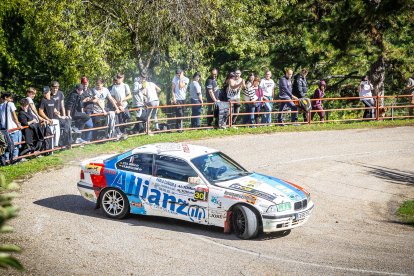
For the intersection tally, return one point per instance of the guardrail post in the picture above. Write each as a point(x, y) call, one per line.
point(230, 113)
point(147, 125)
point(377, 108)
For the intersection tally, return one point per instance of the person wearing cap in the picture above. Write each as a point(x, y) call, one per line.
point(179, 93)
point(268, 85)
point(285, 93)
point(48, 111)
point(317, 102)
point(9, 123)
point(75, 110)
point(365, 93)
point(121, 92)
point(196, 98)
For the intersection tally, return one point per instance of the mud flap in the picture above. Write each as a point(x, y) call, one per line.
point(227, 223)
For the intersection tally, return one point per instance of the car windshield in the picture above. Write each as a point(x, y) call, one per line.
point(218, 167)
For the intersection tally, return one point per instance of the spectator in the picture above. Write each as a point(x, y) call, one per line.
point(121, 92)
point(300, 88)
point(212, 94)
point(11, 125)
point(268, 86)
point(58, 97)
point(179, 92)
point(151, 91)
point(33, 133)
point(138, 103)
point(196, 98)
point(409, 88)
point(30, 95)
point(364, 89)
point(75, 110)
point(101, 94)
point(233, 93)
point(249, 96)
point(48, 111)
point(285, 93)
point(88, 104)
point(317, 103)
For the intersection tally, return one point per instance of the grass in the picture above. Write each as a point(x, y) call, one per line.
point(25, 170)
point(406, 212)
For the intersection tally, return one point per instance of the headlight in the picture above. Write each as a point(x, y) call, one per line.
point(284, 206)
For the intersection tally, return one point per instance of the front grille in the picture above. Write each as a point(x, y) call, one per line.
point(301, 204)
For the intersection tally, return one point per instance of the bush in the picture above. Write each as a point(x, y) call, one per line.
point(7, 211)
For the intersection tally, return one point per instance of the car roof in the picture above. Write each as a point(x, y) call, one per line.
point(181, 150)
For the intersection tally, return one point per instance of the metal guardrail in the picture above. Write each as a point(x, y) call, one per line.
point(380, 114)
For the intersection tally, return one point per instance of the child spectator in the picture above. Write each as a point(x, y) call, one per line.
point(33, 133)
point(317, 104)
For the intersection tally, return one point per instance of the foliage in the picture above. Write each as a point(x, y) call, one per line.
point(406, 212)
point(7, 211)
point(64, 39)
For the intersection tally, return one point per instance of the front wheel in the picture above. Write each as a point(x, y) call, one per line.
point(245, 222)
point(114, 203)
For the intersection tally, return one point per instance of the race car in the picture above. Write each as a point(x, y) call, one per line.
point(196, 184)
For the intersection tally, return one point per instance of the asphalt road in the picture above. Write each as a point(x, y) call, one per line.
point(357, 179)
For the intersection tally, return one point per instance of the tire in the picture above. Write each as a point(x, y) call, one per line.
point(244, 222)
point(114, 203)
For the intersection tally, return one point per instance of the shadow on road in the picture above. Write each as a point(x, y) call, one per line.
point(76, 204)
point(392, 175)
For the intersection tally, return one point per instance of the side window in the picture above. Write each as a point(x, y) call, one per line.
point(139, 163)
point(173, 168)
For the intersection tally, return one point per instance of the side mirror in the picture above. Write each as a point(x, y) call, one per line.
point(194, 180)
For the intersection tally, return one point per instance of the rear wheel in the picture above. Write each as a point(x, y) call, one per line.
point(114, 203)
point(245, 222)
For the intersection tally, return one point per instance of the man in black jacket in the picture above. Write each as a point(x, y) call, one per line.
point(300, 88)
point(74, 109)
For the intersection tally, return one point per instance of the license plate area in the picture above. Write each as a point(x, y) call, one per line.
point(301, 215)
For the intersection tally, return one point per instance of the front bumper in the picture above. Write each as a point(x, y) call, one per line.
point(275, 223)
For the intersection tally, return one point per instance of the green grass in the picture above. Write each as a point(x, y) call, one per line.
point(58, 159)
point(406, 212)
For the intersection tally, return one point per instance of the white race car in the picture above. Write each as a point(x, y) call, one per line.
point(196, 184)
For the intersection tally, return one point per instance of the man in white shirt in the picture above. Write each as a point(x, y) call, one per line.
point(179, 93)
point(268, 86)
point(10, 123)
point(121, 92)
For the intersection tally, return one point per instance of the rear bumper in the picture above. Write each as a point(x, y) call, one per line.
point(87, 191)
point(286, 222)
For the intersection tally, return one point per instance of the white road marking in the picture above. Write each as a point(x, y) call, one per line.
point(356, 270)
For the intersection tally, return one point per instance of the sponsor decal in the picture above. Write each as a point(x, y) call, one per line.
point(136, 204)
point(109, 171)
point(201, 194)
point(217, 215)
point(251, 191)
point(186, 148)
point(215, 200)
point(242, 197)
point(93, 169)
point(157, 199)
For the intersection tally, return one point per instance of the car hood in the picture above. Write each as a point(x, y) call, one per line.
point(266, 187)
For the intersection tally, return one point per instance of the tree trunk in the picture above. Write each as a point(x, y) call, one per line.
point(377, 77)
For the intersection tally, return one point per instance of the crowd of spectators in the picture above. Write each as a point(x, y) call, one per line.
point(59, 122)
